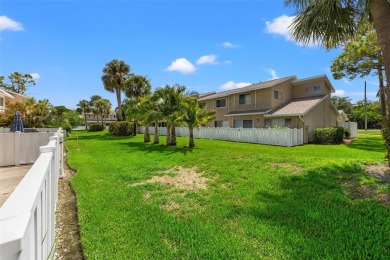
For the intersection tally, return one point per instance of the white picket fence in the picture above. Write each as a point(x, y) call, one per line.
point(27, 217)
point(352, 126)
point(21, 148)
point(41, 130)
point(271, 136)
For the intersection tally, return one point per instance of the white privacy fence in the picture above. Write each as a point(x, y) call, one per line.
point(271, 136)
point(27, 218)
point(21, 148)
point(352, 126)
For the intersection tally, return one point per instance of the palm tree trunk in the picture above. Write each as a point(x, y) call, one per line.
point(173, 138)
point(156, 134)
point(102, 121)
point(118, 99)
point(135, 127)
point(168, 142)
point(382, 92)
point(380, 12)
point(85, 121)
point(191, 143)
point(147, 134)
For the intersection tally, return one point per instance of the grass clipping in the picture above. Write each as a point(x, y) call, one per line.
point(184, 178)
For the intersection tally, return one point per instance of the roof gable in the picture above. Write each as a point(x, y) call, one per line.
point(297, 106)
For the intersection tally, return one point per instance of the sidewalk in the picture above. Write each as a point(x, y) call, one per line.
point(10, 177)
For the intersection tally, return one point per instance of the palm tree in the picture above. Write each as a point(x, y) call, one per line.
point(29, 106)
point(102, 106)
point(42, 110)
point(94, 106)
point(137, 86)
point(115, 75)
point(194, 115)
point(84, 105)
point(106, 108)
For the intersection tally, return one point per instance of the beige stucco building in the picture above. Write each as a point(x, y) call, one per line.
point(284, 102)
point(9, 97)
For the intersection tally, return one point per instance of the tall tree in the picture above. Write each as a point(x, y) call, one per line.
point(114, 77)
point(333, 23)
point(362, 56)
point(343, 103)
point(194, 115)
point(18, 82)
point(84, 105)
point(30, 109)
point(94, 106)
point(136, 87)
point(42, 110)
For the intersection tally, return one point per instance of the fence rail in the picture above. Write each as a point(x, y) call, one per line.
point(21, 148)
point(27, 217)
point(271, 136)
point(352, 126)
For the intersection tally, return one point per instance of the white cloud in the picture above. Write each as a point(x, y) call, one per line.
point(280, 26)
point(207, 59)
point(272, 72)
point(339, 93)
point(182, 65)
point(230, 45)
point(35, 75)
point(232, 85)
point(9, 24)
point(227, 62)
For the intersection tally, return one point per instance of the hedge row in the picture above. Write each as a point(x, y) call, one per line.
point(95, 127)
point(329, 135)
point(122, 128)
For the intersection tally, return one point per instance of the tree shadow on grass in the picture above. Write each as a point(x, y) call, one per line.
point(372, 144)
point(159, 148)
point(319, 219)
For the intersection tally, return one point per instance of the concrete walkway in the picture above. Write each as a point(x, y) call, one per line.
point(10, 177)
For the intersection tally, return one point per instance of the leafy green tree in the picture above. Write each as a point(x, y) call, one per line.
point(94, 105)
point(374, 116)
point(137, 86)
point(343, 103)
point(114, 78)
point(84, 106)
point(18, 82)
point(29, 106)
point(194, 115)
point(103, 107)
point(42, 110)
point(362, 56)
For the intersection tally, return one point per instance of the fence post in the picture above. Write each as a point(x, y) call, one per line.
point(17, 148)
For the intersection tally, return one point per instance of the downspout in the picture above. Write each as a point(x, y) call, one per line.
point(303, 127)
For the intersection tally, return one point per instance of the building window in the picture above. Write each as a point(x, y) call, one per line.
point(243, 123)
point(217, 123)
point(220, 103)
point(278, 95)
point(287, 123)
point(1, 101)
point(313, 90)
point(244, 99)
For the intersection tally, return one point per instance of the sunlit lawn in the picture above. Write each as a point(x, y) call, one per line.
point(369, 132)
point(260, 202)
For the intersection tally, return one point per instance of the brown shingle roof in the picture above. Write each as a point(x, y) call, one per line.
point(298, 106)
point(246, 112)
point(260, 85)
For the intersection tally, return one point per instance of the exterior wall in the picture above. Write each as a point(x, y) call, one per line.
point(263, 98)
point(287, 92)
point(299, 89)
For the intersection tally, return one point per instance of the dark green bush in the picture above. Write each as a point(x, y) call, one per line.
point(329, 135)
point(123, 128)
point(95, 127)
point(347, 133)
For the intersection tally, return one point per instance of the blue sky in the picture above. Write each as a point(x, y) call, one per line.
point(204, 45)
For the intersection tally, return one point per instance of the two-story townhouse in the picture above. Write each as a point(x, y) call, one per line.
point(284, 102)
point(107, 118)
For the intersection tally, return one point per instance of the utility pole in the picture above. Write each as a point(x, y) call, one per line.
point(365, 106)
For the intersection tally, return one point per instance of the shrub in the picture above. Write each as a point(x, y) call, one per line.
point(123, 128)
point(329, 135)
point(347, 133)
point(95, 127)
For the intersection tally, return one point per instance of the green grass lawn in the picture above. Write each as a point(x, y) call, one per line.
point(369, 132)
point(261, 201)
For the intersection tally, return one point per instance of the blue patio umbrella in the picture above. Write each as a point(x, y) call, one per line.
point(17, 123)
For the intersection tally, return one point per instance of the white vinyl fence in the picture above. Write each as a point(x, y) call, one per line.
point(27, 217)
point(352, 126)
point(21, 148)
point(281, 137)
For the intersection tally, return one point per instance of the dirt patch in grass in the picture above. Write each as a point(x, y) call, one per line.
point(179, 177)
point(293, 168)
point(67, 230)
point(172, 205)
point(380, 171)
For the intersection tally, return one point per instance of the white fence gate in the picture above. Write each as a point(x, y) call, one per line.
point(21, 148)
point(27, 217)
point(272, 136)
point(352, 126)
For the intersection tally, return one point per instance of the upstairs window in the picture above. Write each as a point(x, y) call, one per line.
point(313, 90)
point(1, 101)
point(220, 103)
point(244, 99)
point(278, 95)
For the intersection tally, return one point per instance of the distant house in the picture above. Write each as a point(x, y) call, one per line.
point(9, 97)
point(92, 118)
point(342, 118)
point(284, 102)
